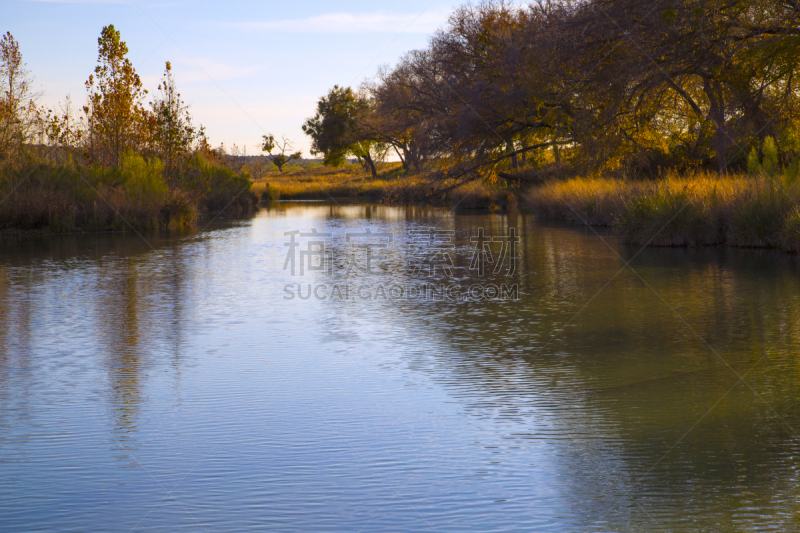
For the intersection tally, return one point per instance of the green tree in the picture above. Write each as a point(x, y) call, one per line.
point(116, 118)
point(337, 130)
point(280, 158)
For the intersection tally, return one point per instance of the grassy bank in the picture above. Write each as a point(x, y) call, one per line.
point(43, 197)
point(393, 186)
point(349, 182)
point(65, 198)
point(699, 210)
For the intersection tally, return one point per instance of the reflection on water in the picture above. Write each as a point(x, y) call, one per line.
point(168, 385)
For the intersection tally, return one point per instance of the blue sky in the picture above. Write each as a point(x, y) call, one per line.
point(246, 67)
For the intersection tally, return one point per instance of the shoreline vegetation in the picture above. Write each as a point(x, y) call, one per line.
point(698, 210)
point(48, 197)
point(684, 131)
point(120, 163)
point(393, 186)
point(701, 209)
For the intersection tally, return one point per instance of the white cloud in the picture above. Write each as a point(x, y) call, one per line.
point(353, 23)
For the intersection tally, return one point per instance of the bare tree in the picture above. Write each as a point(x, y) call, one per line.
point(279, 159)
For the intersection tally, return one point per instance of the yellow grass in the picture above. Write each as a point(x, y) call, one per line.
point(697, 210)
point(350, 182)
point(393, 185)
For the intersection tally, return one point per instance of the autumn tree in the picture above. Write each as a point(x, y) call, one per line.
point(338, 129)
point(480, 96)
point(116, 118)
point(19, 116)
point(714, 74)
point(63, 128)
point(173, 133)
point(279, 158)
point(402, 112)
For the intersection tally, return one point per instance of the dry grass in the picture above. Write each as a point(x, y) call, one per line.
point(393, 186)
point(347, 182)
point(43, 197)
point(698, 210)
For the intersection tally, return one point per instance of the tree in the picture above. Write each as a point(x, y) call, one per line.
point(482, 94)
point(721, 71)
point(279, 159)
point(411, 109)
point(615, 85)
point(116, 118)
point(18, 113)
point(337, 130)
point(173, 133)
point(63, 129)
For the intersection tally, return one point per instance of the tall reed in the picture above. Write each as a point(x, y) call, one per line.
point(697, 210)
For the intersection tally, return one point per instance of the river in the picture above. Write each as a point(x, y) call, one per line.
point(401, 369)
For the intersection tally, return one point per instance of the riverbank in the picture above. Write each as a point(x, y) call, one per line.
point(699, 210)
point(42, 197)
point(394, 186)
point(323, 183)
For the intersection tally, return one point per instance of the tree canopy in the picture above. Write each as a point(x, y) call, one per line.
point(613, 85)
point(338, 129)
point(115, 111)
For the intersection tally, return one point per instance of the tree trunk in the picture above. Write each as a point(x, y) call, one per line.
point(514, 160)
point(413, 158)
point(716, 114)
point(410, 156)
point(371, 165)
point(403, 160)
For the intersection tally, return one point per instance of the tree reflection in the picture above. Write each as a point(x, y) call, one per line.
point(118, 327)
point(628, 377)
point(617, 369)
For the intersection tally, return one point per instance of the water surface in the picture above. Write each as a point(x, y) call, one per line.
point(168, 384)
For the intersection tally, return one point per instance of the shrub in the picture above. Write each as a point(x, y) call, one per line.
point(143, 180)
point(69, 197)
point(664, 218)
point(791, 230)
point(218, 188)
point(770, 161)
point(756, 217)
point(270, 194)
